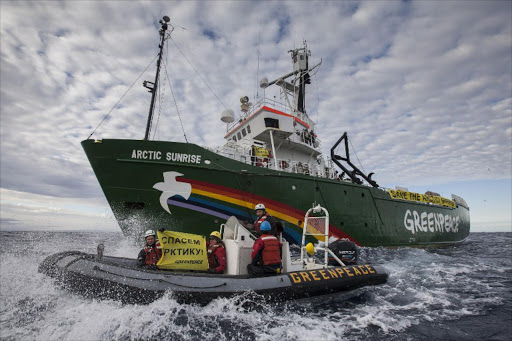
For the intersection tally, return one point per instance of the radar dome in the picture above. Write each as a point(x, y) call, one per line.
point(264, 83)
point(227, 116)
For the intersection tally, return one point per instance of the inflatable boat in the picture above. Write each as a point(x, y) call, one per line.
point(120, 278)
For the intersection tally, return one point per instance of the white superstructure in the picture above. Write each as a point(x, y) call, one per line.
point(281, 137)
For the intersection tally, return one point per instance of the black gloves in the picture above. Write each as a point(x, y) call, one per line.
point(211, 271)
point(161, 230)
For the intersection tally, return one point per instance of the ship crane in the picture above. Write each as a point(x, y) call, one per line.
point(355, 172)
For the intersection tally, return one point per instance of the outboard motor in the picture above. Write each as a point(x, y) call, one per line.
point(345, 250)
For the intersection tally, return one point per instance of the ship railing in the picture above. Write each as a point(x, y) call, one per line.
point(241, 154)
point(266, 102)
point(281, 107)
point(236, 152)
point(298, 167)
point(307, 138)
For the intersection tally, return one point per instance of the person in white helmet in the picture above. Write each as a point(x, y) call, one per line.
point(262, 215)
point(151, 253)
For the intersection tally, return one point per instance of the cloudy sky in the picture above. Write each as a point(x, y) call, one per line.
point(424, 89)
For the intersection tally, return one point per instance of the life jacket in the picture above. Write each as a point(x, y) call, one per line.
point(258, 222)
point(271, 252)
point(213, 261)
point(152, 253)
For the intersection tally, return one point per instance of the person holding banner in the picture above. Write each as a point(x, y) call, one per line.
point(151, 253)
point(266, 254)
point(216, 254)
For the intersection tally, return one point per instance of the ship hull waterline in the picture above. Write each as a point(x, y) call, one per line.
point(184, 187)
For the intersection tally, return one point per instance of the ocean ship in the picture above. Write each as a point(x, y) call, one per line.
point(272, 155)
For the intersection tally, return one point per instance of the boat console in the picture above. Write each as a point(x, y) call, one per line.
point(239, 242)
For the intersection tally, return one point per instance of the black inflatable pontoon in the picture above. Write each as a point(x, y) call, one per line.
point(121, 279)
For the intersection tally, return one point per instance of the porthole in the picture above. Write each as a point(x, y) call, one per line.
point(294, 187)
point(207, 161)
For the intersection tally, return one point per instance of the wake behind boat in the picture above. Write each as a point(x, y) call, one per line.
point(121, 278)
point(273, 156)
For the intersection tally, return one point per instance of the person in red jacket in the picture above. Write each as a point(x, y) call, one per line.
point(266, 254)
point(262, 215)
point(216, 254)
point(151, 253)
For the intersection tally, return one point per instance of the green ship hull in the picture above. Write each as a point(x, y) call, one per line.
point(184, 187)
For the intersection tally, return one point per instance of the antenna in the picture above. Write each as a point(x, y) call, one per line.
point(258, 69)
point(153, 86)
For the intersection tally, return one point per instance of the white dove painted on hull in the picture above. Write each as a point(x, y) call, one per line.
point(170, 187)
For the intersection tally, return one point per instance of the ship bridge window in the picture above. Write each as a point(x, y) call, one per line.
point(271, 123)
point(239, 136)
point(234, 138)
point(244, 133)
point(249, 129)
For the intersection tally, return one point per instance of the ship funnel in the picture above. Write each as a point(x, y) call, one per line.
point(264, 83)
point(227, 116)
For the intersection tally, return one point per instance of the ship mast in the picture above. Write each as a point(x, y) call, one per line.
point(154, 86)
point(297, 87)
point(300, 66)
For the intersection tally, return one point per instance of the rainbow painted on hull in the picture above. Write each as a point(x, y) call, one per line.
point(223, 202)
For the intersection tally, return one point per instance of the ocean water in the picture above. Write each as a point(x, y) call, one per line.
point(462, 292)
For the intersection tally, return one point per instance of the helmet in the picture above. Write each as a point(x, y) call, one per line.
point(265, 226)
point(310, 248)
point(259, 207)
point(215, 234)
point(149, 233)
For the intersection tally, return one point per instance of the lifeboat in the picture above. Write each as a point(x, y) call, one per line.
point(101, 276)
